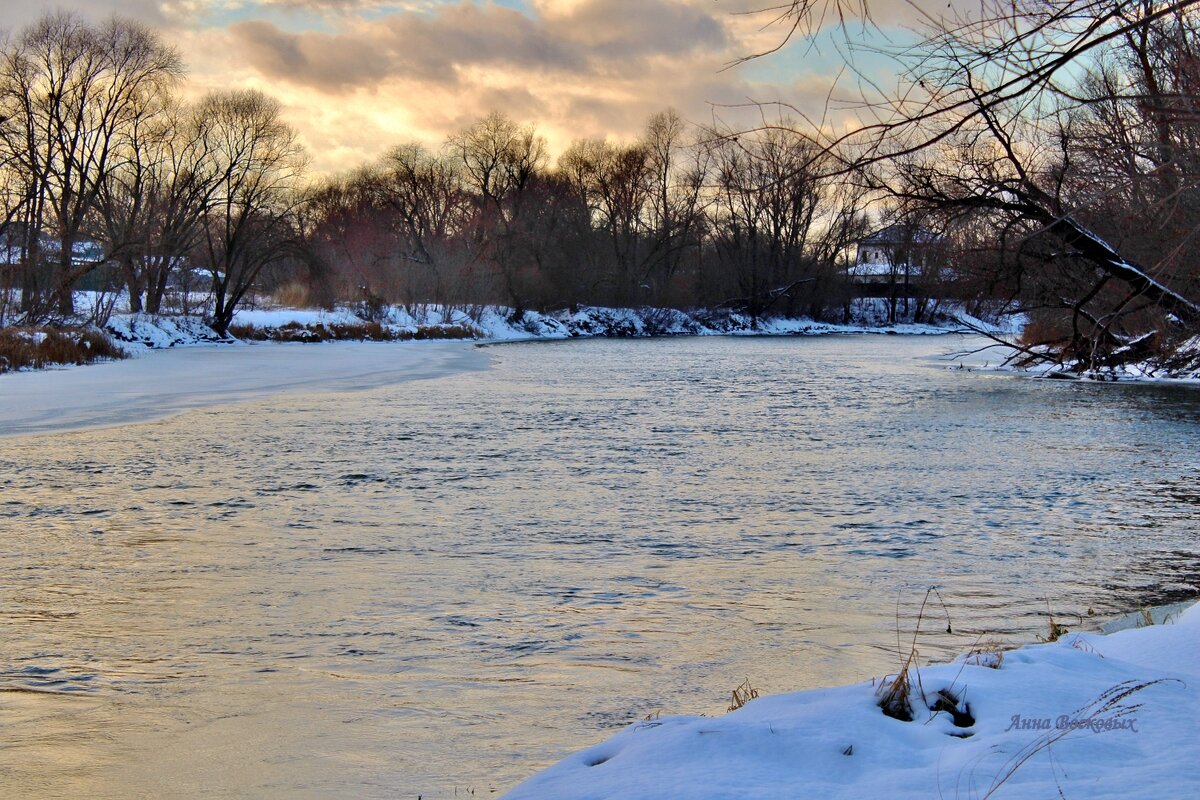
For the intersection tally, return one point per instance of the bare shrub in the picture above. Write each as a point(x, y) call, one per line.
point(1055, 629)
point(28, 348)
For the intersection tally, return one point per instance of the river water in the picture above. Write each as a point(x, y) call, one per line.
point(436, 588)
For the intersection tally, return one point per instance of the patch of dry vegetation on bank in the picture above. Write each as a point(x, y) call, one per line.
point(38, 348)
point(347, 332)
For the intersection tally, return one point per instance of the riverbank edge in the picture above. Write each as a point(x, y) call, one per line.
point(1185, 372)
point(1112, 711)
point(134, 333)
point(499, 324)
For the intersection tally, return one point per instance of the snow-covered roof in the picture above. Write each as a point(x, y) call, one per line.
point(899, 233)
point(83, 251)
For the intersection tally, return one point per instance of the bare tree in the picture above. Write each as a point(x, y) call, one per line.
point(250, 221)
point(153, 205)
point(614, 182)
point(678, 171)
point(78, 94)
point(430, 208)
point(976, 128)
point(647, 197)
point(499, 157)
point(500, 160)
point(127, 200)
point(12, 200)
point(766, 199)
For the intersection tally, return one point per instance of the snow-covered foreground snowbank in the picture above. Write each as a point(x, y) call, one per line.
point(1087, 716)
point(165, 382)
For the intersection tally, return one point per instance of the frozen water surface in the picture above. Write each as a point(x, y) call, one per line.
point(160, 383)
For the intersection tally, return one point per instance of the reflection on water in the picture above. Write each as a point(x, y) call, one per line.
point(443, 586)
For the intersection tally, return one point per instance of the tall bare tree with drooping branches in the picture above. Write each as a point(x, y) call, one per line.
point(998, 117)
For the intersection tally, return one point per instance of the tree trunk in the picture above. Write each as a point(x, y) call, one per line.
point(65, 286)
point(132, 284)
point(1096, 250)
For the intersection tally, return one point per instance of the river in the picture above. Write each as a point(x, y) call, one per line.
point(435, 588)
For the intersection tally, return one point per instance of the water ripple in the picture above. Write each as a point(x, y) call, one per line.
point(452, 583)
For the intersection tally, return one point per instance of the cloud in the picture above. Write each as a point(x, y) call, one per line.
point(595, 37)
point(403, 46)
point(425, 69)
point(150, 12)
point(352, 6)
point(314, 60)
point(612, 29)
point(358, 76)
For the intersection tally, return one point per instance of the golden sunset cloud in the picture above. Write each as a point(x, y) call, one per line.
point(359, 76)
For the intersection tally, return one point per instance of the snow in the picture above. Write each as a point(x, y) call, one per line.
point(136, 332)
point(1050, 721)
point(875, 269)
point(499, 324)
point(1182, 367)
point(140, 332)
point(162, 383)
point(274, 318)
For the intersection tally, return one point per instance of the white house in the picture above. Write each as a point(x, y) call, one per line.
point(895, 254)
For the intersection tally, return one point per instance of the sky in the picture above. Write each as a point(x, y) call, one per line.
point(357, 77)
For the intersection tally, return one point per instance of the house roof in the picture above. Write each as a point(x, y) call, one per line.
point(83, 251)
point(899, 233)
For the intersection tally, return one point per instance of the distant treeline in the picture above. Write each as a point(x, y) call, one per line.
point(681, 217)
point(109, 181)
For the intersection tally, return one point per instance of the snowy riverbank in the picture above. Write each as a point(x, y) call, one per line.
point(140, 332)
point(495, 324)
point(1087, 716)
point(1183, 366)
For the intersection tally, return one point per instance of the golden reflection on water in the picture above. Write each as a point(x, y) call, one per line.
point(444, 586)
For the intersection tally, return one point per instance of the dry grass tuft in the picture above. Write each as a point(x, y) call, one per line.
point(38, 348)
point(1055, 630)
point(292, 295)
point(895, 695)
point(987, 654)
point(248, 333)
point(741, 695)
point(1084, 647)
